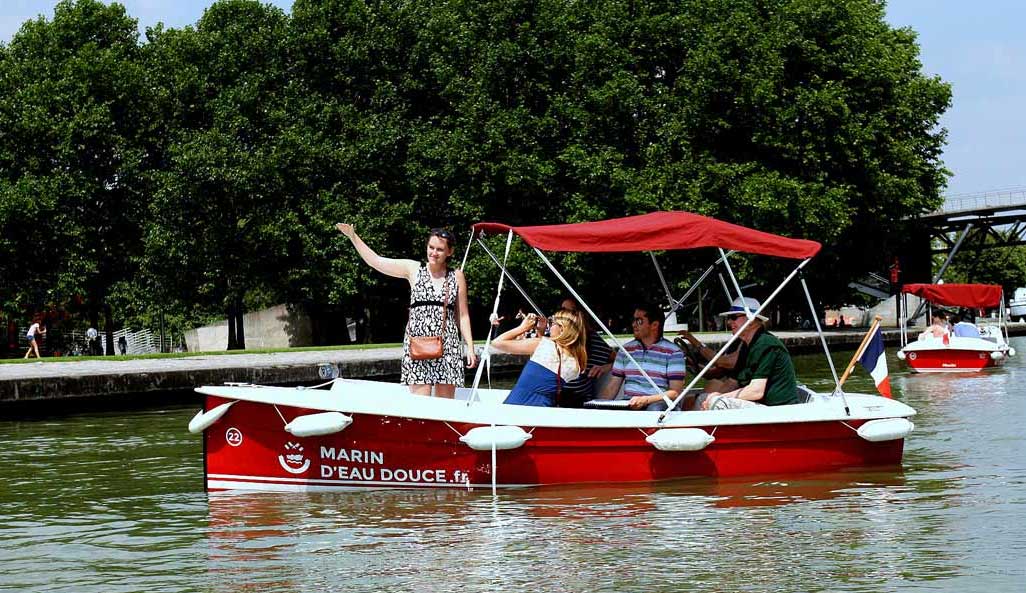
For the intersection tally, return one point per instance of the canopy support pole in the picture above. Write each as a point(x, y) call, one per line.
point(486, 354)
point(674, 305)
point(470, 241)
point(730, 272)
point(822, 339)
point(512, 280)
point(1002, 322)
point(726, 291)
point(734, 337)
point(662, 279)
point(600, 324)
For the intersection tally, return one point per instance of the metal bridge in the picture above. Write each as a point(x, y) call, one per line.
point(966, 222)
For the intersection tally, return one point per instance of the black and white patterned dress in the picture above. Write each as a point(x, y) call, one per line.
point(425, 320)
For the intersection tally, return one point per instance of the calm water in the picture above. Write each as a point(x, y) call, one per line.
point(112, 502)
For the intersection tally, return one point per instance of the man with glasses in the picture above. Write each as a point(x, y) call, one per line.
point(767, 376)
point(662, 360)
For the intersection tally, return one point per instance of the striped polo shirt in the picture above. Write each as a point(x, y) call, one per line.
point(663, 361)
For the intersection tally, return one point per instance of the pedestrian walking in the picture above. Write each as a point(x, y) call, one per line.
point(34, 331)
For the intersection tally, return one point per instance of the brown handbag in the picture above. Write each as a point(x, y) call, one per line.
point(430, 347)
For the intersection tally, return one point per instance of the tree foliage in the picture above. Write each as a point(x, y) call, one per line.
point(221, 154)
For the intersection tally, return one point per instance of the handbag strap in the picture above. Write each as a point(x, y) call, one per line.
point(445, 298)
point(559, 373)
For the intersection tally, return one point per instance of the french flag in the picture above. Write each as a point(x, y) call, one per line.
point(875, 361)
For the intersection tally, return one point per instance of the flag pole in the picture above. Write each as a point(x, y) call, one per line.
point(858, 353)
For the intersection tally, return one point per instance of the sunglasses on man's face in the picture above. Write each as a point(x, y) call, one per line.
point(640, 321)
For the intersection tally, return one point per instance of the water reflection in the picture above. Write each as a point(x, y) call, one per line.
point(423, 538)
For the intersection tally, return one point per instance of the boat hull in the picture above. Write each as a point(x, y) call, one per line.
point(951, 361)
point(248, 449)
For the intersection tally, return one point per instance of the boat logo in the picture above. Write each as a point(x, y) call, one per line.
point(233, 436)
point(911, 355)
point(293, 461)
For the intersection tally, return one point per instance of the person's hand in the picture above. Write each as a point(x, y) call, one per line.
point(346, 229)
point(495, 319)
point(709, 399)
point(529, 322)
point(599, 370)
point(471, 358)
point(639, 402)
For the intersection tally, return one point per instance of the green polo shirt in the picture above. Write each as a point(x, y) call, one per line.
point(768, 359)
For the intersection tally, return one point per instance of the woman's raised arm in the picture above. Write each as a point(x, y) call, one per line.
point(397, 268)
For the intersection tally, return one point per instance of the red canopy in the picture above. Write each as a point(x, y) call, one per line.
point(656, 232)
point(974, 296)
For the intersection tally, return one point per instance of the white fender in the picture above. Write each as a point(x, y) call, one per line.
point(901, 355)
point(202, 420)
point(997, 355)
point(504, 437)
point(1011, 351)
point(312, 425)
point(887, 429)
point(680, 439)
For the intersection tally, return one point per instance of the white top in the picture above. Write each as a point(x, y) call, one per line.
point(546, 354)
point(33, 329)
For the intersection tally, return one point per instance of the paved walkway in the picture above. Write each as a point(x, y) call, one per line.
point(112, 365)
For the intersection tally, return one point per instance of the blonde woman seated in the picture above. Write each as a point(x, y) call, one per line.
point(554, 360)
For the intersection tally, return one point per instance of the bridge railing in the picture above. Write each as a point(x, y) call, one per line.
point(1005, 198)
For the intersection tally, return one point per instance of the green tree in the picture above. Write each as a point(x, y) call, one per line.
point(74, 156)
point(221, 220)
point(259, 130)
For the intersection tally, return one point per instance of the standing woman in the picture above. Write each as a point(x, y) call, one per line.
point(430, 284)
point(554, 360)
point(33, 331)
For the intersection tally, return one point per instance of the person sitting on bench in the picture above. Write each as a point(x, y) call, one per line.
point(768, 376)
point(662, 360)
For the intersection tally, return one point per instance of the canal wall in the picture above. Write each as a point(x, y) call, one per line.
point(110, 377)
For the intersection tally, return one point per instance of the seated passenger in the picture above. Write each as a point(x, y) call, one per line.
point(767, 377)
point(600, 362)
point(964, 327)
point(939, 329)
point(662, 360)
point(554, 360)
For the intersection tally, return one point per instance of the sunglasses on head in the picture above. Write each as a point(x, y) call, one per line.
point(441, 233)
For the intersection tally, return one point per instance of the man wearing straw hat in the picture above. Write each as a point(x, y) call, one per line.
point(767, 377)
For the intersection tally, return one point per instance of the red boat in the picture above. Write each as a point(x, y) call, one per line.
point(942, 351)
point(357, 434)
